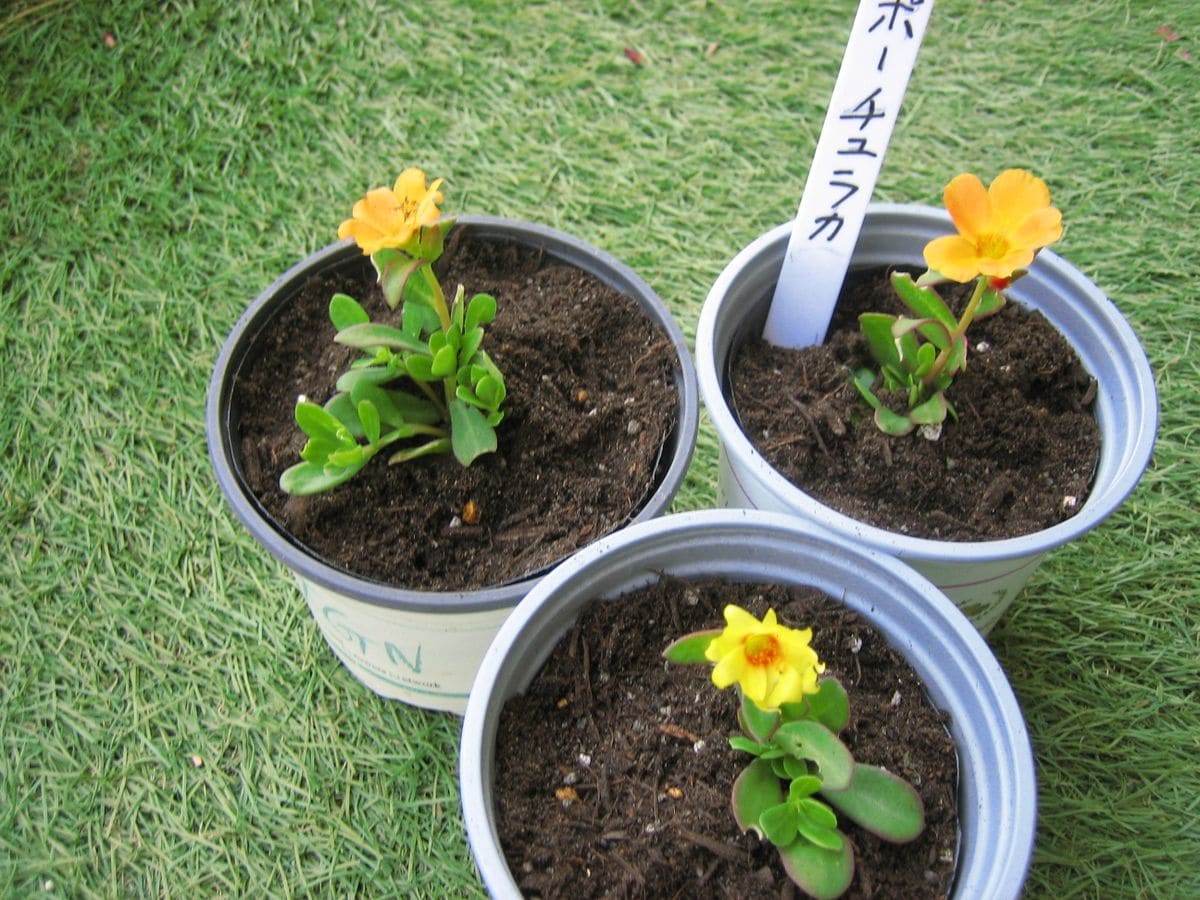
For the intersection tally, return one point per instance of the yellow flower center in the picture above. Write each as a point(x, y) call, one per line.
point(406, 208)
point(994, 246)
point(762, 649)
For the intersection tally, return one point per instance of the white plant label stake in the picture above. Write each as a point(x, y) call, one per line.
point(870, 86)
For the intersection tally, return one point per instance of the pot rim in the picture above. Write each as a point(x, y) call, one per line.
point(935, 637)
point(224, 458)
point(1053, 274)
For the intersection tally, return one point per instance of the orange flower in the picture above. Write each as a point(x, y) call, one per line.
point(1000, 229)
point(773, 663)
point(392, 217)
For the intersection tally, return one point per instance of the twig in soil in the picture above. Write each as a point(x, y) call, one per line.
point(654, 351)
point(675, 731)
point(587, 672)
point(811, 422)
point(633, 873)
point(730, 854)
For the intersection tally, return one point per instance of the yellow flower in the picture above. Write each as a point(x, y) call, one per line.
point(999, 229)
point(773, 663)
point(392, 217)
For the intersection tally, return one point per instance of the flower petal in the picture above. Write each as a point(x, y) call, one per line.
point(789, 688)
point(1003, 267)
point(729, 668)
point(754, 684)
point(1039, 229)
point(953, 256)
point(410, 184)
point(1015, 195)
point(737, 618)
point(967, 202)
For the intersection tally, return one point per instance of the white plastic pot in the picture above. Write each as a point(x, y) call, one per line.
point(997, 800)
point(421, 647)
point(982, 577)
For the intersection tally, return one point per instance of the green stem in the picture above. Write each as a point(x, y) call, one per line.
point(960, 329)
point(439, 299)
point(449, 385)
point(432, 430)
point(429, 392)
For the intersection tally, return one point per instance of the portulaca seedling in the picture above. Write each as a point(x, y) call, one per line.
point(1000, 230)
point(423, 379)
point(802, 776)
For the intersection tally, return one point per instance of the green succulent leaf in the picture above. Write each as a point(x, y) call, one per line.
point(830, 705)
point(317, 450)
point(877, 329)
point(317, 422)
point(908, 346)
point(470, 434)
point(490, 391)
point(923, 300)
point(864, 380)
point(345, 311)
point(931, 278)
point(420, 367)
point(778, 824)
point(480, 311)
point(811, 740)
point(880, 802)
point(351, 457)
point(931, 412)
point(758, 724)
point(804, 786)
point(892, 423)
point(418, 319)
point(761, 749)
point(368, 415)
point(368, 335)
point(398, 409)
point(817, 823)
point(689, 649)
point(795, 769)
point(755, 790)
point(350, 379)
point(395, 269)
point(432, 238)
point(958, 358)
point(445, 361)
point(341, 407)
point(820, 873)
point(991, 302)
point(926, 356)
point(310, 478)
point(471, 342)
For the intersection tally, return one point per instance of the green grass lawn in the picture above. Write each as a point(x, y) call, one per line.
point(171, 722)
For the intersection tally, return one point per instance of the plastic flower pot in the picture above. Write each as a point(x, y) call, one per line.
point(997, 802)
point(982, 577)
point(421, 647)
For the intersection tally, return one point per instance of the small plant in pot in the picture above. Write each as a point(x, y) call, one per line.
point(420, 453)
point(455, 391)
point(1000, 230)
point(802, 776)
point(588, 762)
point(1000, 407)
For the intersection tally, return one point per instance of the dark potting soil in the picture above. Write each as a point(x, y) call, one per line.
point(1019, 458)
point(613, 771)
point(591, 404)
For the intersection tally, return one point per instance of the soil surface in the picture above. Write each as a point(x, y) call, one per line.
point(592, 401)
point(613, 771)
point(1019, 458)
